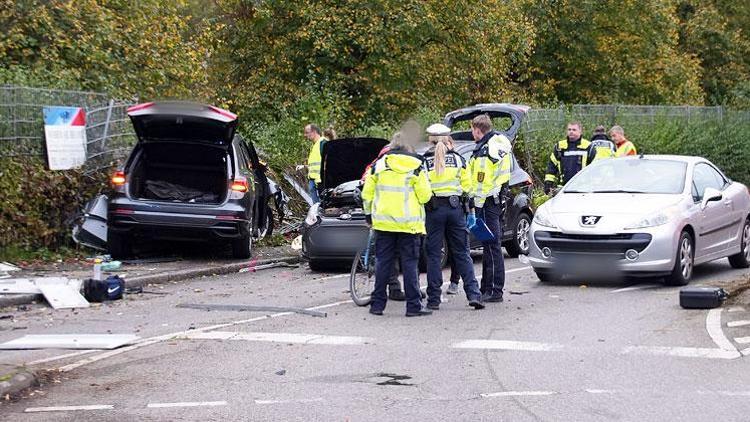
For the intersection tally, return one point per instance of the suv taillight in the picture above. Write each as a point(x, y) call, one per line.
point(239, 184)
point(118, 179)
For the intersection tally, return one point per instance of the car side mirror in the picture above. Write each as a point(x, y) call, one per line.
point(710, 195)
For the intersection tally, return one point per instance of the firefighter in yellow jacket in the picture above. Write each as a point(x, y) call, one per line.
point(569, 157)
point(393, 199)
point(489, 169)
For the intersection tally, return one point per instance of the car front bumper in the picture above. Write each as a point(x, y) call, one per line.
point(590, 253)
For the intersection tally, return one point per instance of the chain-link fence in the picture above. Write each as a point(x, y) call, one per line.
point(109, 134)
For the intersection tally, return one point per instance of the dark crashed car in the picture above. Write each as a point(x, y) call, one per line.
point(189, 177)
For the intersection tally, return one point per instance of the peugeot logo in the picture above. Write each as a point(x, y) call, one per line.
point(590, 220)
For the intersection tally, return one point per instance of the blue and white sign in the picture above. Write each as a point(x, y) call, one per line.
point(65, 135)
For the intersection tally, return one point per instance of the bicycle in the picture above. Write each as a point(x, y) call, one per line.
point(362, 276)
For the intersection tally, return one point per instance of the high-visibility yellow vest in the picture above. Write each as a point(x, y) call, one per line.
point(454, 180)
point(604, 149)
point(626, 148)
point(395, 193)
point(314, 160)
point(489, 170)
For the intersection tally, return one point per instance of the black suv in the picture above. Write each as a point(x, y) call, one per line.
point(189, 177)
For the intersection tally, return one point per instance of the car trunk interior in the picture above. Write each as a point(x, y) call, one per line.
point(180, 172)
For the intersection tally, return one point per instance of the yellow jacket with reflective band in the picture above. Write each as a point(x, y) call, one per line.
point(314, 160)
point(455, 178)
point(626, 148)
point(489, 170)
point(395, 193)
point(604, 149)
point(565, 161)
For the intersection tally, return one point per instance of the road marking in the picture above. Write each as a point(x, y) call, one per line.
point(746, 352)
point(70, 408)
point(634, 288)
point(742, 323)
point(288, 401)
point(296, 338)
point(518, 393)
point(58, 357)
point(736, 309)
point(713, 326)
point(742, 340)
point(507, 345)
point(331, 277)
point(187, 404)
point(595, 391)
point(517, 269)
point(735, 393)
point(685, 352)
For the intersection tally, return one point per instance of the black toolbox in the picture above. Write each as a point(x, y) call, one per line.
point(702, 297)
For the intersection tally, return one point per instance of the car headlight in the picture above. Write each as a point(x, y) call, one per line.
point(312, 214)
point(654, 220)
point(543, 218)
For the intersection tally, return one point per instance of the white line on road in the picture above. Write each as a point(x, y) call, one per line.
point(70, 408)
point(66, 355)
point(281, 338)
point(746, 352)
point(742, 323)
point(735, 393)
point(595, 391)
point(634, 288)
point(187, 404)
point(736, 309)
point(331, 277)
point(507, 345)
point(685, 352)
point(518, 393)
point(742, 340)
point(287, 401)
point(713, 326)
point(517, 269)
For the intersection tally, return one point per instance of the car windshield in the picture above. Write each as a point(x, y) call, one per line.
point(630, 176)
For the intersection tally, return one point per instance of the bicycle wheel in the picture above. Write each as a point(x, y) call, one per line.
point(362, 277)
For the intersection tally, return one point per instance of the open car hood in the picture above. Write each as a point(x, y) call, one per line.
point(514, 112)
point(183, 121)
point(345, 159)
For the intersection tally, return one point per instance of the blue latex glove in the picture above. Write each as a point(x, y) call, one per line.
point(471, 220)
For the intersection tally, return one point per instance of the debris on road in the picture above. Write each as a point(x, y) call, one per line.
point(69, 341)
point(254, 268)
point(6, 268)
point(250, 308)
point(702, 297)
point(90, 226)
point(60, 292)
point(281, 372)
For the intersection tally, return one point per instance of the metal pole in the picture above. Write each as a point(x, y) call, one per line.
point(106, 124)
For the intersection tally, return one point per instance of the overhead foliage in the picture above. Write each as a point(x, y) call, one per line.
point(383, 58)
point(126, 48)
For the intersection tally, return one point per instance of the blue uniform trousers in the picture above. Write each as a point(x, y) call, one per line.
point(389, 245)
point(493, 266)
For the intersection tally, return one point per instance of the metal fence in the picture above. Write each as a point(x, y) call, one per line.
point(109, 134)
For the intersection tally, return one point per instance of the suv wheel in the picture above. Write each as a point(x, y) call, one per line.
point(242, 246)
point(683, 266)
point(118, 244)
point(520, 242)
point(742, 259)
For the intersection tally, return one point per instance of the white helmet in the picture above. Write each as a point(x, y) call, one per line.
point(438, 129)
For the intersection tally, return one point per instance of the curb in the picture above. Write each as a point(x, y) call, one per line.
point(165, 277)
point(19, 381)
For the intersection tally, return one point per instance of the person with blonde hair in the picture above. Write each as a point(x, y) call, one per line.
point(624, 147)
point(446, 218)
point(393, 199)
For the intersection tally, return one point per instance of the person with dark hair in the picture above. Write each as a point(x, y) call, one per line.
point(489, 170)
point(330, 133)
point(393, 200)
point(601, 143)
point(568, 158)
point(314, 135)
point(449, 180)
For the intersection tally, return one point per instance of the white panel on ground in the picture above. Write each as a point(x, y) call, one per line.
point(16, 286)
point(62, 293)
point(69, 341)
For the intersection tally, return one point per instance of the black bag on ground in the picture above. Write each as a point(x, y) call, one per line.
point(101, 290)
point(702, 297)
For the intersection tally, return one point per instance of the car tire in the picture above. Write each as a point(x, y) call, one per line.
point(545, 277)
point(684, 261)
point(118, 245)
point(742, 259)
point(265, 231)
point(519, 245)
point(423, 255)
point(242, 247)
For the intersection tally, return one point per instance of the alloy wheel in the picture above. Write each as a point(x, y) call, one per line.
point(686, 258)
point(522, 235)
point(746, 241)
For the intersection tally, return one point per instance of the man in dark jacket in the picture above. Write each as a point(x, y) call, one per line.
point(568, 158)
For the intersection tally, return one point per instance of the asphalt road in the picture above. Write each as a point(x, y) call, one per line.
point(570, 351)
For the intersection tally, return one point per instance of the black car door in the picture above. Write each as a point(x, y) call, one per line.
point(262, 190)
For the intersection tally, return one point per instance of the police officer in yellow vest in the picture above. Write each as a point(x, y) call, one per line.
point(313, 133)
point(393, 199)
point(449, 179)
point(489, 172)
point(604, 146)
point(568, 158)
